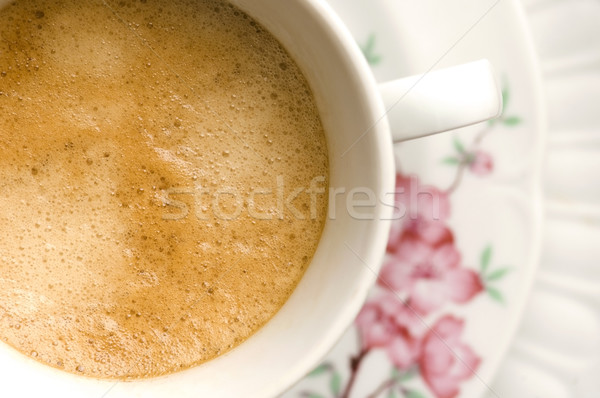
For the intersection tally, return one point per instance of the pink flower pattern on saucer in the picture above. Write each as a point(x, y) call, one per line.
point(409, 317)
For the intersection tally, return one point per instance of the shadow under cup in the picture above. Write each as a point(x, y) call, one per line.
point(348, 256)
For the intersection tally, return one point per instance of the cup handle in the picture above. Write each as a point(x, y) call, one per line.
point(443, 100)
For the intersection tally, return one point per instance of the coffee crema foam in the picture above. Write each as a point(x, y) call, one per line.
point(106, 106)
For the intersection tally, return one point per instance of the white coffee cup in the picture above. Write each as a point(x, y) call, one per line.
point(356, 113)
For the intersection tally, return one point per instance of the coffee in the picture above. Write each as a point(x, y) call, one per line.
point(158, 164)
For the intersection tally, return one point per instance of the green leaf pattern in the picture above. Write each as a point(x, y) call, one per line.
point(368, 50)
point(495, 294)
point(489, 276)
point(322, 368)
point(486, 258)
point(504, 119)
point(335, 384)
point(414, 394)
